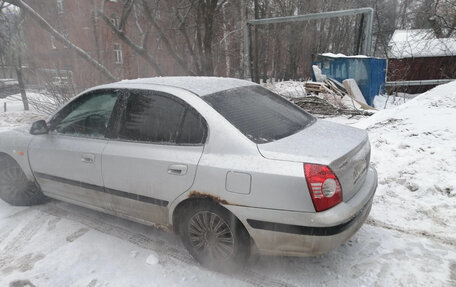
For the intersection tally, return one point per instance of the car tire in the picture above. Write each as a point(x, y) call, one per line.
point(215, 237)
point(15, 188)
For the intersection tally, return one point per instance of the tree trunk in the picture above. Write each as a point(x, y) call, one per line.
point(95, 34)
point(243, 8)
point(226, 45)
point(3, 67)
point(256, 68)
point(20, 81)
point(359, 35)
point(208, 16)
point(166, 42)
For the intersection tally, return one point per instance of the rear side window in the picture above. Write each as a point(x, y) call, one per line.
point(259, 114)
point(193, 129)
point(160, 118)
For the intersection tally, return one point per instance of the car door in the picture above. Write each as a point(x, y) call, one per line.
point(153, 156)
point(67, 161)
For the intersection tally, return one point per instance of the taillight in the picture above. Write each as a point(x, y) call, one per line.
point(323, 185)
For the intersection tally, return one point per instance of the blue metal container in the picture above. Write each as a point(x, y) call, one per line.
point(369, 73)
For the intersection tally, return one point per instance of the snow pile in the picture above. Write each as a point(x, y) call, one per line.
point(390, 101)
point(340, 55)
point(14, 119)
point(414, 151)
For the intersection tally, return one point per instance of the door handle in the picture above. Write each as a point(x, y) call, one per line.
point(88, 158)
point(177, 169)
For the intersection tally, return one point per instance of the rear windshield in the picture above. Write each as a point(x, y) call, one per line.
point(259, 114)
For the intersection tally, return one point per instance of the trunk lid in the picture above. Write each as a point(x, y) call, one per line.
point(346, 150)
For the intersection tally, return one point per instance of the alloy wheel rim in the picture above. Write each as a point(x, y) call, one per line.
point(211, 235)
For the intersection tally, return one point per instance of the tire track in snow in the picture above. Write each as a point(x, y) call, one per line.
point(168, 254)
point(15, 244)
point(441, 239)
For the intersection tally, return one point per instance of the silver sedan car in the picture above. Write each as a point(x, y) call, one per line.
point(228, 165)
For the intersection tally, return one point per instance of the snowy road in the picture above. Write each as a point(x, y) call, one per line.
point(409, 239)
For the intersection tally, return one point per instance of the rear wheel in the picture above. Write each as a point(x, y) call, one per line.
point(214, 237)
point(15, 188)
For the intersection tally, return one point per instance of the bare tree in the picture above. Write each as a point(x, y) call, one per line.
point(11, 43)
point(204, 37)
point(439, 15)
point(194, 21)
point(140, 49)
point(61, 38)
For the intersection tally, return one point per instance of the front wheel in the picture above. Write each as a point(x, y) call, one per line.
point(214, 237)
point(15, 188)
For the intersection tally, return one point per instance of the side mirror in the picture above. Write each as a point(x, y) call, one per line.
point(39, 128)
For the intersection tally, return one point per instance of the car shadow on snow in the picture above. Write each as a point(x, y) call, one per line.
point(168, 246)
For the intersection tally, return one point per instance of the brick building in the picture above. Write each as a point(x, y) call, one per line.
point(51, 62)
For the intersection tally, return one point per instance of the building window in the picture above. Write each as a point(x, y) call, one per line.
point(53, 43)
point(159, 43)
point(60, 6)
point(114, 20)
point(118, 53)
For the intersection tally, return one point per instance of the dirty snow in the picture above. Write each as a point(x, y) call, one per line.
point(409, 239)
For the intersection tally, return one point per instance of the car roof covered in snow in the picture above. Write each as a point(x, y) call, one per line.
point(201, 86)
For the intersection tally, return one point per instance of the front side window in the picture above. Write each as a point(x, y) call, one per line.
point(87, 116)
point(160, 118)
point(258, 113)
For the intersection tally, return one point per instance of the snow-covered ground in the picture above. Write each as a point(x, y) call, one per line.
point(408, 240)
point(414, 149)
point(389, 101)
point(15, 114)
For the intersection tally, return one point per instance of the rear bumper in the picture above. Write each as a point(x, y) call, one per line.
point(277, 232)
